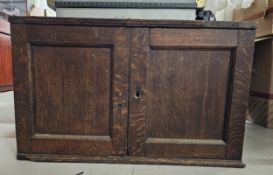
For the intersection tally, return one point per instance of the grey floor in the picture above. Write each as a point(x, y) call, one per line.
point(258, 155)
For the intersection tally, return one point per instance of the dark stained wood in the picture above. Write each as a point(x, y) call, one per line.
point(72, 146)
point(72, 97)
point(131, 91)
point(137, 107)
point(134, 160)
point(240, 94)
point(72, 89)
point(193, 38)
point(22, 91)
point(173, 110)
point(132, 23)
point(185, 148)
point(172, 82)
point(120, 90)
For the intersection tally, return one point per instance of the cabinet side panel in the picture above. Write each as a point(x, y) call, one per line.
point(240, 93)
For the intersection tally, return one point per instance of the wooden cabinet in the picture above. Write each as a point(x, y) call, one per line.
point(182, 77)
point(5, 57)
point(131, 91)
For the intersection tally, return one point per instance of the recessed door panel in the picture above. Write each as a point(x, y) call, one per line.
point(74, 96)
point(186, 93)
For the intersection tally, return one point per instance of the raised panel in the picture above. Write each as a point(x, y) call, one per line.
point(180, 89)
point(186, 93)
point(72, 90)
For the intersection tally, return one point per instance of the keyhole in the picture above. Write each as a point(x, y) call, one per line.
point(138, 94)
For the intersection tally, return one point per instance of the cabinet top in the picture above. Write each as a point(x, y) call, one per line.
point(131, 23)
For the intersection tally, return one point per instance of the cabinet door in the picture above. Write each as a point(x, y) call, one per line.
point(71, 89)
point(188, 89)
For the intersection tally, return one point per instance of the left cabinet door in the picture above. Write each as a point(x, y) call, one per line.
point(71, 89)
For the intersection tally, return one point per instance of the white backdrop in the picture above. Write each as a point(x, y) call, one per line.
point(226, 14)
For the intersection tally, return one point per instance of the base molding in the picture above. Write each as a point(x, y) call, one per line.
point(130, 160)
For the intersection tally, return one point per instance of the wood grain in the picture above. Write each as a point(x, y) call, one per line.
point(178, 38)
point(134, 160)
point(132, 23)
point(76, 86)
point(131, 91)
point(120, 90)
point(240, 94)
point(96, 147)
point(138, 70)
point(22, 89)
point(69, 107)
point(177, 82)
point(171, 82)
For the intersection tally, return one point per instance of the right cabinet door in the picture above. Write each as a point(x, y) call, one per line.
point(182, 90)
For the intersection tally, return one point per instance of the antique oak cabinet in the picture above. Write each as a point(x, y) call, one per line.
point(131, 91)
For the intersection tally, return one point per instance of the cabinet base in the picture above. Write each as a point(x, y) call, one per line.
point(132, 160)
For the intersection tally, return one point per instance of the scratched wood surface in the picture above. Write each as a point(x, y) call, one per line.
point(131, 91)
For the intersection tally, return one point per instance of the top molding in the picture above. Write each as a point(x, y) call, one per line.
point(131, 23)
